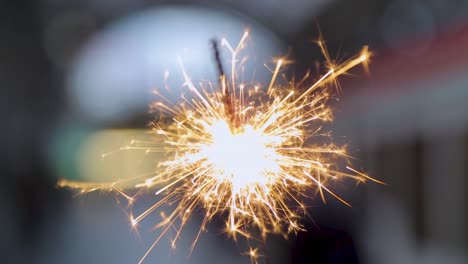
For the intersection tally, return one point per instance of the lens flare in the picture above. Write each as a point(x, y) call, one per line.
point(250, 153)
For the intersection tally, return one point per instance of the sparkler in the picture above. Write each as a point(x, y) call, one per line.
point(244, 152)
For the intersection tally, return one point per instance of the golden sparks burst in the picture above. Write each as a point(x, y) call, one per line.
point(250, 153)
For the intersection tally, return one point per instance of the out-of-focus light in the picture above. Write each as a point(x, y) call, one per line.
point(99, 156)
point(63, 148)
point(104, 155)
point(112, 77)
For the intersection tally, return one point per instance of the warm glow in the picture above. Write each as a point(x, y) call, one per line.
point(244, 160)
point(254, 154)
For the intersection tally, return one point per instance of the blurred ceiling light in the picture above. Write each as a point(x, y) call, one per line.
point(113, 75)
point(286, 17)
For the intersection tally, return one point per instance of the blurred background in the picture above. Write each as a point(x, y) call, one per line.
point(76, 79)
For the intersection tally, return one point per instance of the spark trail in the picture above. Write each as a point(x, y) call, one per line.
point(243, 152)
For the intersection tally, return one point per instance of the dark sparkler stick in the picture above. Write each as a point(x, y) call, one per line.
point(224, 87)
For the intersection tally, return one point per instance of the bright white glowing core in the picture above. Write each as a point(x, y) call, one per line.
point(244, 160)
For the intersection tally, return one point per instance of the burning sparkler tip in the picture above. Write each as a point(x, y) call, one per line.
point(243, 151)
